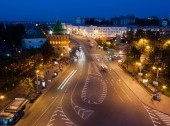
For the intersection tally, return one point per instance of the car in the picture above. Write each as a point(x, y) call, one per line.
point(103, 67)
point(55, 74)
point(156, 96)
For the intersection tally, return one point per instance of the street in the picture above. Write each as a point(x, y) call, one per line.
point(84, 95)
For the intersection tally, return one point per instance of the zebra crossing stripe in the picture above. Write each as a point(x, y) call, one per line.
point(156, 122)
point(69, 123)
point(51, 120)
point(154, 118)
point(50, 125)
point(54, 115)
point(152, 114)
point(63, 115)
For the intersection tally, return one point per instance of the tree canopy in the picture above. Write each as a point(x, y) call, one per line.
point(58, 28)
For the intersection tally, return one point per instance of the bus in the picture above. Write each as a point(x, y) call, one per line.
point(13, 112)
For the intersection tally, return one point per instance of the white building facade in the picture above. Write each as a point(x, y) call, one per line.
point(97, 32)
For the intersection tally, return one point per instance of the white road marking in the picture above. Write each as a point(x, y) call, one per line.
point(126, 94)
point(62, 115)
point(118, 94)
point(45, 111)
point(66, 79)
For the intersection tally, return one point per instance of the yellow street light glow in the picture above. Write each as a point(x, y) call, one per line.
point(148, 47)
point(120, 52)
point(37, 71)
point(164, 87)
point(138, 63)
point(154, 68)
point(2, 97)
point(159, 68)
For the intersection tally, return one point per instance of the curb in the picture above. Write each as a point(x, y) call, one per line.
point(137, 96)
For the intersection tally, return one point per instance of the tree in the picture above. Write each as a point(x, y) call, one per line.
point(135, 53)
point(130, 36)
point(58, 28)
point(139, 34)
point(47, 51)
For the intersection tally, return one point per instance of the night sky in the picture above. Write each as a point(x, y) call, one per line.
point(65, 10)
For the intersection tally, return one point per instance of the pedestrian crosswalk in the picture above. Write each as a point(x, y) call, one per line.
point(158, 118)
point(59, 114)
point(82, 112)
point(164, 117)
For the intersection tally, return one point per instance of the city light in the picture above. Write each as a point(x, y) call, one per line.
point(2, 97)
point(164, 87)
point(140, 68)
point(157, 72)
point(50, 32)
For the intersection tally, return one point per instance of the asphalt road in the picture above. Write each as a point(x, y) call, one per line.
point(83, 95)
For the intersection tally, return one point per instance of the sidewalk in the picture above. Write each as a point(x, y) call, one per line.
point(141, 93)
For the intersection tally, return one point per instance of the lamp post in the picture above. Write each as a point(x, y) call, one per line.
point(2, 97)
point(157, 72)
point(140, 68)
point(37, 71)
point(50, 32)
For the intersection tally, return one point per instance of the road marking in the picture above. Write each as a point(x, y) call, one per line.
point(82, 112)
point(126, 94)
point(164, 117)
point(45, 111)
point(155, 120)
point(118, 94)
point(66, 79)
point(62, 116)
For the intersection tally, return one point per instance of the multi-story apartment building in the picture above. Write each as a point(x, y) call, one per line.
point(97, 32)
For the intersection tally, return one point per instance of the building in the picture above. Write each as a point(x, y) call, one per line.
point(61, 43)
point(79, 21)
point(34, 38)
point(123, 20)
point(59, 40)
point(97, 32)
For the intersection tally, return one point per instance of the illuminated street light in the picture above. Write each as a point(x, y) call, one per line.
point(140, 67)
point(61, 54)
point(37, 72)
point(2, 97)
point(157, 72)
point(148, 47)
point(166, 44)
point(164, 87)
point(50, 32)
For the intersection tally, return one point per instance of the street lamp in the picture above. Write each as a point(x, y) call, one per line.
point(50, 32)
point(140, 67)
point(157, 72)
point(164, 87)
point(2, 97)
point(37, 71)
point(61, 54)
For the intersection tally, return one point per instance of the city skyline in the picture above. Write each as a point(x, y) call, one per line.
point(66, 10)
